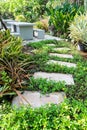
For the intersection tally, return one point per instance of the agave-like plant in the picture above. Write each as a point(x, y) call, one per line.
point(78, 29)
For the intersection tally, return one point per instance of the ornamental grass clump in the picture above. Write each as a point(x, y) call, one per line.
point(12, 68)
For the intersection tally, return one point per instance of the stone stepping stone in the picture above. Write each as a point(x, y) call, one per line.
point(61, 55)
point(67, 78)
point(62, 49)
point(50, 44)
point(36, 99)
point(61, 63)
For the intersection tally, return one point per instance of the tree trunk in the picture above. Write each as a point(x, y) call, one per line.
point(3, 24)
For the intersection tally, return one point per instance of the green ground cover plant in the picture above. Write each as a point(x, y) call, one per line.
point(61, 51)
point(68, 115)
point(61, 16)
point(76, 58)
point(37, 45)
point(45, 86)
point(71, 114)
point(58, 69)
point(77, 91)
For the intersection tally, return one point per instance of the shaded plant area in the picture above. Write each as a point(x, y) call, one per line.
point(23, 10)
point(52, 16)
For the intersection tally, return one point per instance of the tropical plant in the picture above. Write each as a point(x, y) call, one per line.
point(12, 67)
point(78, 29)
point(61, 16)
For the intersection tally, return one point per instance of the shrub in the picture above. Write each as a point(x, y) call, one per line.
point(43, 24)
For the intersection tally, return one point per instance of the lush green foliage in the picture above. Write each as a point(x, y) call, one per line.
point(61, 16)
point(38, 45)
point(65, 116)
point(58, 68)
point(16, 67)
point(78, 29)
point(29, 11)
point(71, 114)
point(41, 54)
point(59, 12)
point(12, 64)
point(46, 86)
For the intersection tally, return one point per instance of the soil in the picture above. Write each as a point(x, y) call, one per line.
point(84, 54)
point(27, 49)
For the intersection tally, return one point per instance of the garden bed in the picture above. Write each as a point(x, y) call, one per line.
point(71, 114)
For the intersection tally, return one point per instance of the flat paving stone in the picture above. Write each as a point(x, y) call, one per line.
point(47, 37)
point(61, 63)
point(50, 44)
point(36, 99)
point(61, 55)
point(67, 78)
point(62, 49)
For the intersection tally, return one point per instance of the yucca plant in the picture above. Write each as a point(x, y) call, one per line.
point(78, 29)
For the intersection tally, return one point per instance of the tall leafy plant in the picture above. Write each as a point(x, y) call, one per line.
point(61, 16)
point(12, 68)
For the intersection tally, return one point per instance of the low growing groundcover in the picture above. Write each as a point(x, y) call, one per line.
point(41, 55)
point(71, 114)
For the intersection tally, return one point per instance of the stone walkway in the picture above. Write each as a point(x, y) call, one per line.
point(61, 55)
point(47, 37)
point(36, 99)
point(62, 63)
point(62, 49)
point(67, 78)
point(53, 45)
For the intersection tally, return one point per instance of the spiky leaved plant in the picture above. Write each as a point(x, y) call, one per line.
point(12, 66)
